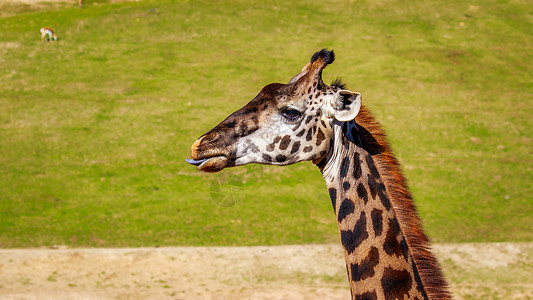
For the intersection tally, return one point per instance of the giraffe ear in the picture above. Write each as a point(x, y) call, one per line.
point(347, 105)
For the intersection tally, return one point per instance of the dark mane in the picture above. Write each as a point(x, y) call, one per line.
point(338, 83)
point(396, 186)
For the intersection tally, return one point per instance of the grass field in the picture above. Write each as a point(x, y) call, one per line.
point(94, 128)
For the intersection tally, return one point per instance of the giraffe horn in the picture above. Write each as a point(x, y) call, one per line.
point(324, 57)
point(318, 62)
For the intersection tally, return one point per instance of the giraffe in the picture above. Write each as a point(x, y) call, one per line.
point(386, 251)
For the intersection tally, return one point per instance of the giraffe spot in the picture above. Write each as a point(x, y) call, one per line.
point(309, 135)
point(347, 207)
point(297, 125)
point(295, 147)
point(309, 90)
point(247, 127)
point(396, 283)
point(351, 239)
point(346, 185)
point(391, 245)
point(361, 192)
point(367, 296)
point(333, 196)
point(405, 249)
point(318, 113)
point(395, 226)
point(418, 281)
point(301, 133)
point(267, 157)
point(320, 137)
point(357, 167)
point(285, 141)
point(372, 187)
point(365, 269)
point(231, 124)
point(372, 166)
point(377, 221)
point(323, 123)
point(345, 164)
point(270, 147)
point(280, 158)
point(308, 149)
point(384, 199)
point(309, 118)
point(345, 143)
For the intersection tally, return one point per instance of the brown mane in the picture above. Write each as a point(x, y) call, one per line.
point(395, 183)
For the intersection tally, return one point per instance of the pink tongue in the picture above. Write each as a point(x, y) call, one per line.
point(196, 162)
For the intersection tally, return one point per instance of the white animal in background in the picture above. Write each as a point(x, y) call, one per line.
point(48, 34)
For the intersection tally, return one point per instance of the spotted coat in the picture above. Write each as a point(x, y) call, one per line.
point(385, 249)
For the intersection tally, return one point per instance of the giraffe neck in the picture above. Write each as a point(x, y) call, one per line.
point(382, 257)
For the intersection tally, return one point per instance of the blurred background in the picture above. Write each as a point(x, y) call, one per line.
point(95, 127)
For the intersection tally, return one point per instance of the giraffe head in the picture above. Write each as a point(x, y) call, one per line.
point(282, 125)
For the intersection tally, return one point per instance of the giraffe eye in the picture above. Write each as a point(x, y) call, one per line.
point(291, 114)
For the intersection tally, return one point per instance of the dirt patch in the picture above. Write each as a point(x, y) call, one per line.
point(36, 2)
point(295, 272)
point(15, 7)
point(283, 272)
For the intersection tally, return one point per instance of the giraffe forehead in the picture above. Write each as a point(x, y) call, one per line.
point(301, 94)
point(280, 101)
point(275, 96)
point(311, 100)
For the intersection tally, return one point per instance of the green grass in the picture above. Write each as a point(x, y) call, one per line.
point(94, 128)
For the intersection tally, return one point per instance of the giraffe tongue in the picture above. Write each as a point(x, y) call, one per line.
point(211, 164)
point(196, 162)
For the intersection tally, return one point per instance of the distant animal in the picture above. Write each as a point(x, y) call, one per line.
point(48, 34)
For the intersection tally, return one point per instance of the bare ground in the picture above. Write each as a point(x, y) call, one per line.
point(476, 271)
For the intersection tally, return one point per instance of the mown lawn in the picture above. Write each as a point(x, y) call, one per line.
point(94, 128)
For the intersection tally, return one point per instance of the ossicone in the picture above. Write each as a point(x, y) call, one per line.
point(327, 56)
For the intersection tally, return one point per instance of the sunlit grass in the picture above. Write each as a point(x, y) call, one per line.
point(94, 128)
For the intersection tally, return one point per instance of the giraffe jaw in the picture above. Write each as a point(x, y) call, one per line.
point(210, 164)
